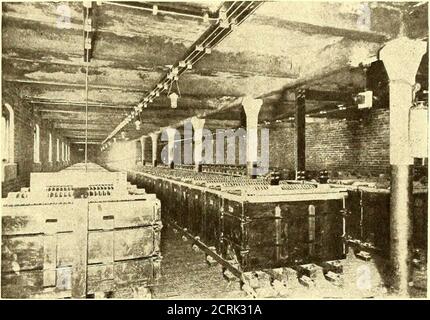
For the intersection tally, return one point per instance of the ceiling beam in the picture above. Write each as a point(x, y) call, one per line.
point(72, 85)
point(79, 141)
point(190, 104)
point(81, 126)
point(307, 28)
point(58, 102)
point(199, 70)
point(69, 132)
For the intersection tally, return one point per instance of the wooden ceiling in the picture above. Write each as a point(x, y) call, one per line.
point(282, 45)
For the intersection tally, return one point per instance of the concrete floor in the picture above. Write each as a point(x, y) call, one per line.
point(186, 275)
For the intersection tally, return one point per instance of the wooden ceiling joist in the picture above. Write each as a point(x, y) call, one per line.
point(80, 141)
point(71, 85)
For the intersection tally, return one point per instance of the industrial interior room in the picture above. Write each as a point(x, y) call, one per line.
point(214, 150)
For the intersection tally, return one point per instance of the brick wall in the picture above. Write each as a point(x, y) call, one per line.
point(25, 120)
point(357, 146)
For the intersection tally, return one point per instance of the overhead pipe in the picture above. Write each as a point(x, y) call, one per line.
point(167, 81)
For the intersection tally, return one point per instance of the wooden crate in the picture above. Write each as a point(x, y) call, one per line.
point(212, 227)
point(180, 203)
point(61, 241)
point(420, 220)
point(195, 214)
point(263, 235)
point(368, 218)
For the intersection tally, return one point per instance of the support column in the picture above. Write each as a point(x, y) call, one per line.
point(142, 143)
point(401, 58)
point(154, 138)
point(198, 125)
point(300, 118)
point(171, 133)
point(252, 108)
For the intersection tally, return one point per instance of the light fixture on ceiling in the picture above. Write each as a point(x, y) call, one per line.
point(137, 124)
point(173, 100)
point(154, 9)
point(173, 96)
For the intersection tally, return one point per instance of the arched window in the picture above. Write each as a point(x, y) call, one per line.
point(50, 148)
point(7, 134)
point(58, 150)
point(36, 144)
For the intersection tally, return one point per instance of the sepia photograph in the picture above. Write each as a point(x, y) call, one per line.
point(210, 150)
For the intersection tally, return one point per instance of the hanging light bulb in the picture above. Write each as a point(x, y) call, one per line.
point(137, 124)
point(173, 100)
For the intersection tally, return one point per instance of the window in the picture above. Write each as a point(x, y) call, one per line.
point(58, 150)
point(36, 144)
point(62, 150)
point(5, 127)
point(7, 134)
point(50, 148)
